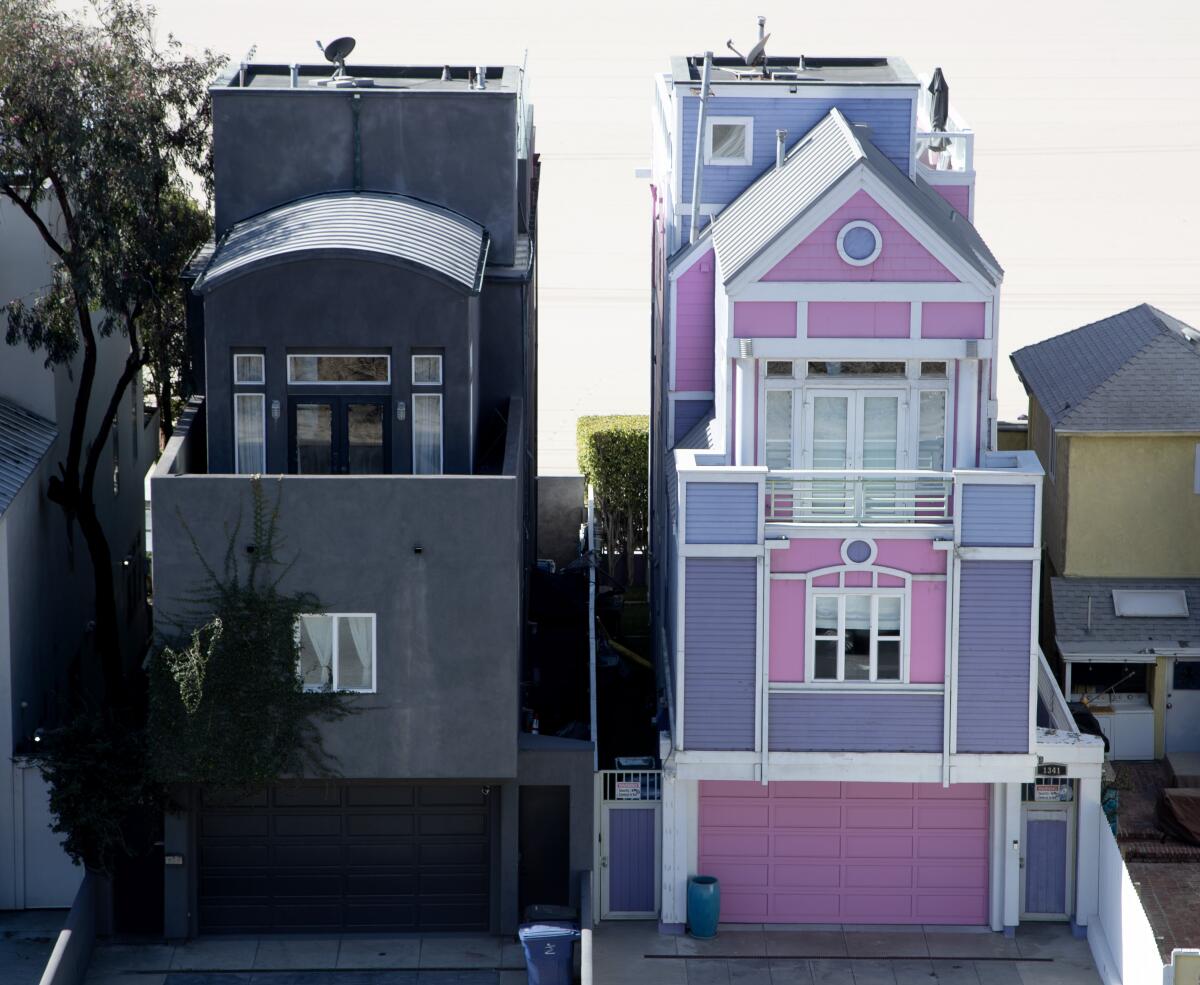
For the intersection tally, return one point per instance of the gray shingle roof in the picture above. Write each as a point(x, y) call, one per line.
point(1070, 598)
point(404, 230)
point(815, 163)
point(24, 440)
point(1135, 371)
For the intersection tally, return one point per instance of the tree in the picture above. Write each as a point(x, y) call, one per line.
point(104, 130)
point(613, 457)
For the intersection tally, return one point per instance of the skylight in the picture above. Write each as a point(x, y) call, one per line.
point(1144, 604)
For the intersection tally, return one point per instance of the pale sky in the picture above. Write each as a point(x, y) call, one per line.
point(1087, 117)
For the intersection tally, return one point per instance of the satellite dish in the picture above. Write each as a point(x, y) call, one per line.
point(336, 52)
point(757, 54)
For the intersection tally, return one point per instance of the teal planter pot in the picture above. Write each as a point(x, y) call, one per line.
point(703, 906)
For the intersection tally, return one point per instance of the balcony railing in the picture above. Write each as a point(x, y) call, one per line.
point(857, 496)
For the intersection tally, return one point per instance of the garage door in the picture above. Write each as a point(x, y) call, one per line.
point(352, 857)
point(846, 852)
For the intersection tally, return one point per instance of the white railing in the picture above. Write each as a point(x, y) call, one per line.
point(862, 495)
point(1052, 697)
point(946, 150)
point(631, 785)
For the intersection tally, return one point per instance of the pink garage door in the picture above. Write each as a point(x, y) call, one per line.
point(846, 852)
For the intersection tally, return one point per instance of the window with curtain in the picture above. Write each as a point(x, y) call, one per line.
point(427, 433)
point(857, 637)
point(250, 433)
point(729, 140)
point(336, 651)
point(779, 429)
point(427, 369)
point(931, 440)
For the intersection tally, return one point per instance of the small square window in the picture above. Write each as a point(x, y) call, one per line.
point(336, 652)
point(779, 369)
point(729, 140)
point(248, 368)
point(427, 370)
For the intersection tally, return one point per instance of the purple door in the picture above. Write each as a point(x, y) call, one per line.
point(1045, 863)
point(632, 860)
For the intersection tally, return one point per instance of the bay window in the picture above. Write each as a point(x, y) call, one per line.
point(856, 637)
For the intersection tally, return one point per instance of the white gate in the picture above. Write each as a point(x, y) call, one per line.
point(629, 857)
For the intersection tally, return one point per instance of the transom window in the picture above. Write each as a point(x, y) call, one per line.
point(729, 140)
point(248, 368)
point(856, 637)
point(819, 368)
point(336, 651)
point(427, 370)
point(320, 369)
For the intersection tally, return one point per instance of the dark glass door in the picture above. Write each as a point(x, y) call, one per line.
point(338, 436)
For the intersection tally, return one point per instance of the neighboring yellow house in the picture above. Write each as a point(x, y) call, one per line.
point(1114, 416)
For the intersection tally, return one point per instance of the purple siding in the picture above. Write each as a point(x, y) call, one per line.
point(688, 413)
point(719, 640)
point(995, 599)
point(695, 348)
point(997, 516)
point(1046, 866)
point(824, 721)
point(722, 513)
point(631, 863)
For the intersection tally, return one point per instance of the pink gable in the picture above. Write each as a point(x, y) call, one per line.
point(694, 327)
point(901, 259)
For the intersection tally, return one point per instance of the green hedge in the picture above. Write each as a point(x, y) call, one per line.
point(614, 459)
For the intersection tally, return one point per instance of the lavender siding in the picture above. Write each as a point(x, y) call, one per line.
point(631, 863)
point(824, 721)
point(997, 516)
point(889, 119)
point(994, 611)
point(689, 413)
point(722, 513)
point(720, 630)
point(1046, 866)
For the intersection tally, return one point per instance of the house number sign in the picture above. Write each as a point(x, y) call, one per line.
point(1052, 769)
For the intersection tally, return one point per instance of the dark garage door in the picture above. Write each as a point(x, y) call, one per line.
point(345, 856)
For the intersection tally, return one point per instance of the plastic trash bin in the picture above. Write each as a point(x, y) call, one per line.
point(703, 906)
point(549, 951)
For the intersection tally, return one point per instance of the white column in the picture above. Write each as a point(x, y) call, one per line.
point(1088, 819)
point(676, 824)
point(1012, 854)
point(996, 860)
point(967, 416)
point(746, 386)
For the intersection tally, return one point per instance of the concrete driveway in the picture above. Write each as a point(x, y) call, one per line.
point(1040, 954)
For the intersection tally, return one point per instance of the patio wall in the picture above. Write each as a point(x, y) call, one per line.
point(1120, 935)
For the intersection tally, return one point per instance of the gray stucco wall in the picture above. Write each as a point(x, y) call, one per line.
point(449, 621)
point(561, 510)
point(455, 149)
point(346, 306)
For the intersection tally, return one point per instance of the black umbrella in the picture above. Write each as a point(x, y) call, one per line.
point(939, 106)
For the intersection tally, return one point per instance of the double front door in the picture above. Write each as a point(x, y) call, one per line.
point(338, 436)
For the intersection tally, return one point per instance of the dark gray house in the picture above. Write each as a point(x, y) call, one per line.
point(364, 337)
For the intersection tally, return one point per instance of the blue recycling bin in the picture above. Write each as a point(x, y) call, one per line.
point(703, 906)
point(549, 950)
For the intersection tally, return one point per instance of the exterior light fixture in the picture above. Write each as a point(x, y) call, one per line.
point(274, 410)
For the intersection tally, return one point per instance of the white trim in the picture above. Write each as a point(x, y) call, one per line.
point(441, 433)
point(427, 355)
point(871, 544)
point(691, 394)
point(333, 666)
point(1068, 813)
point(747, 158)
point(849, 228)
point(262, 400)
point(772, 89)
point(830, 290)
point(842, 593)
point(884, 350)
point(898, 767)
point(339, 355)
point(262, 368)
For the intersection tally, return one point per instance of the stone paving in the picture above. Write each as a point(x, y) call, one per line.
point(1040, 954)
point(1169, 892)
point(26, 939)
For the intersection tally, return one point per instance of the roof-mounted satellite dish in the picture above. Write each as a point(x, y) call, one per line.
point(758, 54)
point(336, 52)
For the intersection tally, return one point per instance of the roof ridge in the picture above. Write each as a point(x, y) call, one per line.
point(1092, 324)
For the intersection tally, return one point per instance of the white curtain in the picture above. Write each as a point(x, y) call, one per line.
point(830, 427)
point(427, 433)
point(316, 651)
point(880, 416)
point(779, 429)
point(354, 668)
point(249, 423)
point(931, 450)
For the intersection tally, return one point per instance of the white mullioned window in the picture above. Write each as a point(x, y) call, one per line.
point(856, 636)
point(427, 433)
point(249, 368)
point(250, 433)
point(336, 651)
point(427, 370)
point(729, 140)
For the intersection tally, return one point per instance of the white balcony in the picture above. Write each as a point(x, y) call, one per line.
point(858, 496)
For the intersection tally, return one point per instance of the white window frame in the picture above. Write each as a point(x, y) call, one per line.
point(804, 387)
point(262, 399)
point(333, 684)
point(441, 433)
point(841, 243)
point(262, 369)
point(841, 594)
point(427, 355)
point(747, 157)
point(292, 381)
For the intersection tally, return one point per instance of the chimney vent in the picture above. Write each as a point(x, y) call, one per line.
point(780, 147)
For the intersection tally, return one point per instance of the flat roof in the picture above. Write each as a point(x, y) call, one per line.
point(425, 78)
point(798, 70)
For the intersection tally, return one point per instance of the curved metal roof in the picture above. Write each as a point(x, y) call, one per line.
point(25, 438)
point(395, 227)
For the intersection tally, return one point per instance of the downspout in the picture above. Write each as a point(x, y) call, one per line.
point(704, 78)
point(355, 105)
point(591, 543)
point(780, 147)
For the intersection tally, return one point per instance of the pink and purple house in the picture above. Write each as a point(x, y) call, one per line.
point(862, 729)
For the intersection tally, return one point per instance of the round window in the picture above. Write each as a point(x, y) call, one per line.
point(859, 243)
